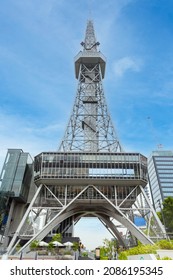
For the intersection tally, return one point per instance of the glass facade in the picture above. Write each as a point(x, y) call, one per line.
point(16, 174)
point(116, 176)
point(91, 165)
point(160, 171)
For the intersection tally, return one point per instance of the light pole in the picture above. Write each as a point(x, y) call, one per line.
point(97, 252)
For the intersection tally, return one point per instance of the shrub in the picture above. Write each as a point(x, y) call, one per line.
point(34, 245)
point(68, 252)
point(123, 255)
point(165, 244)
point(18, 247)
point(166, 258)
point(104, 258)
point(138, 250)
point(146, 249)
point(85, 254)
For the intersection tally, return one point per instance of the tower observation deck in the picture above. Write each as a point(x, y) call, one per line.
point(90, 174)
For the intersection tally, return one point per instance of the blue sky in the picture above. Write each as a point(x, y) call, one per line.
point(38, 42)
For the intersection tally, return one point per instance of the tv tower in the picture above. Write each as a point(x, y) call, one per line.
point(90, 175)
point(90, 127)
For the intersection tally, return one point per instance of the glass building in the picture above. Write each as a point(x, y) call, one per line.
point(16, 175)
point(16, 189)
point(160, 173)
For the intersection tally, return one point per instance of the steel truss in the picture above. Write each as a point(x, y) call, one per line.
point(96, 205)
point(90, 127)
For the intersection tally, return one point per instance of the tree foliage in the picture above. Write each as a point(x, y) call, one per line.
point(168, 215)
point(34, 245)
point(146, 249)
point(109, 248)
point(57, 237)
point(75, 246)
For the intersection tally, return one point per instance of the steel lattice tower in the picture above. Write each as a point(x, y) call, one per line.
point(90, 175)
point(90, 127)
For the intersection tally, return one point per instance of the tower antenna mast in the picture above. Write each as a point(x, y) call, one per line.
point(90, 4)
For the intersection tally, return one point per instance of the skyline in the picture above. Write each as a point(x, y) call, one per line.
point(38, 43)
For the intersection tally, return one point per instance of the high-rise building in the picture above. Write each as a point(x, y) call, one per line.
point(160, 173)
point(16, 190)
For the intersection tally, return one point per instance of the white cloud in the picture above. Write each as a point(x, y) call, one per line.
point(19, 133)
point(121, 66)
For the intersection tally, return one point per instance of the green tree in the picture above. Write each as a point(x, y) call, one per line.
point(109, 248)
point(168, 215)
point(57, 237)
point(34, 245)
point(159, 214)
point(75, 246)
point(51, 248)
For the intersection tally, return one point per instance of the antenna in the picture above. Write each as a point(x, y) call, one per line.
point(160, 146)
point(90, 5)
point(153, 134)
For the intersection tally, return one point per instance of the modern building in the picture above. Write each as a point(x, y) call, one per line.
point(160, 174)
point(16, 190)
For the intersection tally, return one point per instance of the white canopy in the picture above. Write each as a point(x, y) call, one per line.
point(56, 243)
point(42, 243)
point(68, 243)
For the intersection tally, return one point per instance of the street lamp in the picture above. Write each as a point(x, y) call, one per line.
point(97, 252)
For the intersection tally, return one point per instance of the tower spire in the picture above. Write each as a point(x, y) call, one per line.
point(90, 43)
point(90, 127)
